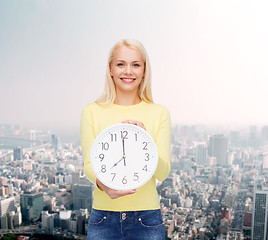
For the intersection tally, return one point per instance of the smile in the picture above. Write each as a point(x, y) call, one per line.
point(128, 80)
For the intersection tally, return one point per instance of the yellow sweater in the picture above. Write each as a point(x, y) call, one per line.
point(156, 120)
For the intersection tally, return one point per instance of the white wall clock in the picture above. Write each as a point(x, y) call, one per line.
point(124, 156)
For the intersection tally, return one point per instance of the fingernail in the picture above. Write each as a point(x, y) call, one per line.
point(134, 191)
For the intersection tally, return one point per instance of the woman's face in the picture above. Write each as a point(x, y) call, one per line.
point(127, 69)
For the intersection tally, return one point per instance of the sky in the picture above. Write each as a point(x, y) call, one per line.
point(209, 59)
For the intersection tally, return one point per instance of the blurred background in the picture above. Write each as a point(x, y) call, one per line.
point(209, 58)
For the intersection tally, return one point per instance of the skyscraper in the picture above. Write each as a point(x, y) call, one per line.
point(260, 207)
point(235, 138)
point(32, 205)
point(82, 196)
point(264, 134)
point(76, 177)
point(33, 137)
point(7, 204)
point(55, 142)
point(218, 148)
point(201, 154)
point(253, 138)
point(17, 153)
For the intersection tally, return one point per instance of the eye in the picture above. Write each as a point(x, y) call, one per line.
point(136, 65)
point(120, 64)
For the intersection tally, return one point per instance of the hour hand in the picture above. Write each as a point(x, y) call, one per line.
point(117, 162)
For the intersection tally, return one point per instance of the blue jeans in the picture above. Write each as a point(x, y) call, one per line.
point(131, 225)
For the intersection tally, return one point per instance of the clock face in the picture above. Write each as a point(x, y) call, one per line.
point(124, 156)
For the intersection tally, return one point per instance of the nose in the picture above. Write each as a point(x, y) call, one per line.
point(128, 69)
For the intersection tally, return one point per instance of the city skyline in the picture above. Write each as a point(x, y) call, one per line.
point(209, 193)
point(208, 59)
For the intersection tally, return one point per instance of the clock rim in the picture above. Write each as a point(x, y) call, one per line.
point(96, 172)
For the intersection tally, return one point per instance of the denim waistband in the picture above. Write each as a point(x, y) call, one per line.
point(122, 215)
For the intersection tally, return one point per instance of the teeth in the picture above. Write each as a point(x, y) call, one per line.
point(128, 80)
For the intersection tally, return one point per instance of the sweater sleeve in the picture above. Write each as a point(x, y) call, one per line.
point(87, 138)
point(163, 142)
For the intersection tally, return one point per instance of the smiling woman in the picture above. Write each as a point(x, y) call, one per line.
point(127, 71)
point(133, 213)
point(137, 61)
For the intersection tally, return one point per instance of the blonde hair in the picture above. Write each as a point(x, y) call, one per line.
point(144, 91)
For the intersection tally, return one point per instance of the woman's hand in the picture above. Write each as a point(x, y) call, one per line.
point(113, 194)
point(137, 123)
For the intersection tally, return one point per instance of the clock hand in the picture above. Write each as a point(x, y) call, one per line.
point(124, 155)
point(118, 162)
point(123, 141)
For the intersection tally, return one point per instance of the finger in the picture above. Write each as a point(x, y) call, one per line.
point(125, 121)
point(140, 124)
point(128, 121)
point(137, 123)
point(113, 194)
point(127, 192)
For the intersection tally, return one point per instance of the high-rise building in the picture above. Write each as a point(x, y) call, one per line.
point(81, 220)
point(187, 131)
point(32, 205)
point(253, 137)
point(263, 158)
point(7, 204)
point(76, 177)
point(201, 154)
point(260, 209)
point(218, 148)
point(82, 196)
point(65, 217)
point(33, 137)
point(84, 214)
point(55, 142)
point(48, 221)
point(235, 138)
point(3, 191)
point(264, 134)
point(17, 153)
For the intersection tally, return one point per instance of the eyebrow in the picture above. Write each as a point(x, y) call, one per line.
point(119, 60)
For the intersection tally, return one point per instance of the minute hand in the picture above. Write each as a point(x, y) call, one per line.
point(123, 142)
point(124, 155)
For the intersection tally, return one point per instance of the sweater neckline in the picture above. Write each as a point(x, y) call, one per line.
point(129, 106)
